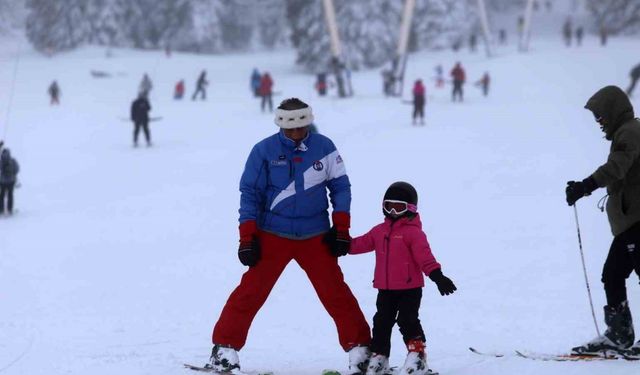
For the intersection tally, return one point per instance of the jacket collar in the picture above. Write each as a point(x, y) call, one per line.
point(290, 144)
point(404, 221)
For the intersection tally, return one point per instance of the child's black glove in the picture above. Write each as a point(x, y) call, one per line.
point(444, 284)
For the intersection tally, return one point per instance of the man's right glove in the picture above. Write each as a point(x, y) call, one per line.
point(338, 237)
point(578, 189)
point(444, 284)
point(249, 249)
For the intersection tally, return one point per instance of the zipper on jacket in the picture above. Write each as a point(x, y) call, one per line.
point(387, 239)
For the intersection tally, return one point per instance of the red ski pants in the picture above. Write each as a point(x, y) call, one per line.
point(325, 275)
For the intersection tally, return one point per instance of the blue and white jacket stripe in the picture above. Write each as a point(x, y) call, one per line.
point(284, 187)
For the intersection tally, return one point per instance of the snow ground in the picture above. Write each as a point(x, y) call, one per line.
point(120, 259)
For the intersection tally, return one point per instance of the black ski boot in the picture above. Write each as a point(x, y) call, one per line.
point(619, 335)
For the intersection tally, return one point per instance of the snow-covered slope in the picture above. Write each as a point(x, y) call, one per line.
point(120, 259)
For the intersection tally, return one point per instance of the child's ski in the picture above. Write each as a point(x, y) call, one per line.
point(210, 370)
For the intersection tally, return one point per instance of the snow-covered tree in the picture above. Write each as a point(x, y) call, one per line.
point(57, 25)
point(309, 34)
point(442, 23)
point(271, 27)
point(369, 31)
point(615, 16)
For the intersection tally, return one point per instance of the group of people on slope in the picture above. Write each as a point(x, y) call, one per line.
point(262, 87)
point(284, 218)
point(458, 76)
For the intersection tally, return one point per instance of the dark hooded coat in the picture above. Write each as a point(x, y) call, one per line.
point(621, 173)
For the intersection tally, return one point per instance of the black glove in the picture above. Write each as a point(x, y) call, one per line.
point(444, 284)
point(249, 252)
point(578, 189)
point(339, 241)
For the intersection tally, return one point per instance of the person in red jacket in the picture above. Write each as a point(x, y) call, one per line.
point(459, 76)
point(266, 84)
point(403, 255)
point(419, 100)
point(179, 90)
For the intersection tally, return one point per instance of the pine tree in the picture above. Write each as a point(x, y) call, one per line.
point(57, 25)
point(442, 23)
point(369, 30)
point(309, 34)
point(271, 22)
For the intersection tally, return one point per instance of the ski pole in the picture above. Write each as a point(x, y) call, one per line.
point(584, 269)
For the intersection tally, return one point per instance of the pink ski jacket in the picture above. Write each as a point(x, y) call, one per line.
point(402, 253)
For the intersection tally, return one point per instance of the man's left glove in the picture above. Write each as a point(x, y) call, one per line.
point(338, 237)
point(249, 249)
point(578, 189)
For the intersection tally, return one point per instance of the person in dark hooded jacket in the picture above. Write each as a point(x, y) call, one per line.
point(9, 169)
point(621, 176)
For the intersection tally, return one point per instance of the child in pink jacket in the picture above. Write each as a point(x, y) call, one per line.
point(402, 256)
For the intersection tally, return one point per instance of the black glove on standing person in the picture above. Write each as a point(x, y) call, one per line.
point(444, 284)
point(249, 252)
point(249, 249)
point(339, 242)
point(578, 189)
point(338, 238)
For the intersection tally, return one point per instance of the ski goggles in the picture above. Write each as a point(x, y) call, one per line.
point(395, 207)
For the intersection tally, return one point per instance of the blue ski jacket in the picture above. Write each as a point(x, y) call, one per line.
point(284, 186)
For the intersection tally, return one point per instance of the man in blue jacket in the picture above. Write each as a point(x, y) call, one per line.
point(283, 217)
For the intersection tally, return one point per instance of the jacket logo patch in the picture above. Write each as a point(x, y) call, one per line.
point(397, 236)
point(278, 163)
point(282, 157)
point(317, 165)
point(339, 159)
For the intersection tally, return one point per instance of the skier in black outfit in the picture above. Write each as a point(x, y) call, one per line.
point(140, 116)
point(201, 86)
point(9, 169)
point(635, 76)
point(621, 176)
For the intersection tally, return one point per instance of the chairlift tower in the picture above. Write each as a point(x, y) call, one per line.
point(484, 21)
point(338, 66)
point(399, 62)
point(526, 29)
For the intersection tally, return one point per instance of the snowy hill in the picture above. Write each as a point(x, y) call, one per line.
point(119, 260)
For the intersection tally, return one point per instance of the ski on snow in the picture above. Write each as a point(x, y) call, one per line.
point(210, 370)
point(558, 357)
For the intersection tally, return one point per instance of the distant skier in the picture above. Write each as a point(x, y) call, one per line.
point(201, 86)
point(419, 100)
point(145, 86)
point(567, 31)
point(321, 84)
point(502, 36)
point(621, 176)
point(439, 76)
point(9, 169)
point(604, 36)
point(473, 42)
point(459, 77)
point(579, 35)
point(398, 276)
point(387, 82)
point(255, 82)
point(54, 93)
point(635, 76)
point(520, 27)
point(280, 224)
point(178, 92)
point(483, 83)
point(266, 92)
point(140, 116)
